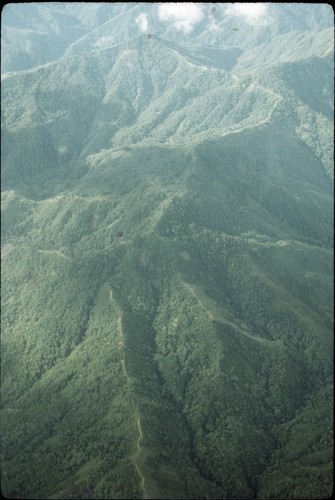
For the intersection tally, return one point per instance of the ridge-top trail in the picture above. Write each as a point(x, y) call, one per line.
point(139, 452)
point(147, 484)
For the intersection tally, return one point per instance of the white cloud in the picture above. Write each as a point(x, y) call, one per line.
point(183, 15)
point(251, 12)
point(142, 22)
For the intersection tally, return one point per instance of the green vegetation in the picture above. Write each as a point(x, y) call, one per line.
point(167, 280)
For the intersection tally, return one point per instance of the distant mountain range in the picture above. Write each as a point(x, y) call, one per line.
point(167, 250)
point(37, 33)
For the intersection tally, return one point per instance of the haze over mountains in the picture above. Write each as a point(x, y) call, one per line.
point(167, 246)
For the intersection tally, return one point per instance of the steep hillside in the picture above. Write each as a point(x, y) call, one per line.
point(167, 260)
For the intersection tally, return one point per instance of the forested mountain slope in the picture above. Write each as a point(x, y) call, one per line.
point(167, 253)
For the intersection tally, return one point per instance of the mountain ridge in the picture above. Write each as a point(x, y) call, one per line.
point(128, 111)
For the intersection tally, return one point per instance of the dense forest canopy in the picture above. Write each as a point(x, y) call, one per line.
point(167, 250)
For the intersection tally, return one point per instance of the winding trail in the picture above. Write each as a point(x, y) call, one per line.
point(138, 459)
point(256, 124)
point(215, 313)
point(138, 454)
point(55, 252)
point(264, 120)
